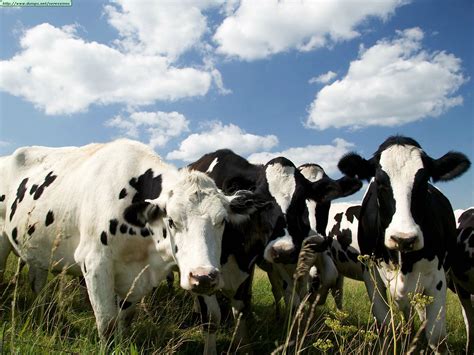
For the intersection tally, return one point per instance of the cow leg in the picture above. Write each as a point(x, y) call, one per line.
point(127, 309)
point(98, 273)
point(276, 283)
point(337, 291)
point(241, 304)
point(468, 315)
point(170, 280)
point(436, 318)
point(5, 249)
point(377, 295)
point(37, 277)
point(211, 318)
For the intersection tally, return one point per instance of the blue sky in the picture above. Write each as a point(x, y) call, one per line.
point(310, 80)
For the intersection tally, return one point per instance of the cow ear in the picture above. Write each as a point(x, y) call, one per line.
point(449, 166)
point(327, 189)
point(348, 185)
point(243, 203)
point(353, 165)
point(324, 190)
point(141, 213)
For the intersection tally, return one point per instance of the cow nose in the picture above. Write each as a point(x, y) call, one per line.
point(404, 243)
point(284, 256)
point(204, 281)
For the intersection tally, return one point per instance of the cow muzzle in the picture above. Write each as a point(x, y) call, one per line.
point(205, 280)
point(403, 243)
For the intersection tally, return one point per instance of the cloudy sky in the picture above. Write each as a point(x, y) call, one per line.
point(310, 80)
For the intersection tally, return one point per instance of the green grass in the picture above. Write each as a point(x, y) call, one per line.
point(60, 320)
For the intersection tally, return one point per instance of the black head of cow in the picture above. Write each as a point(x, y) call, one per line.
point(400, 171)
point(289, 215)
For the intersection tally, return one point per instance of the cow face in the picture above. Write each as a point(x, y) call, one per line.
point(291, 191)
point(401, 171)
point(190, 215)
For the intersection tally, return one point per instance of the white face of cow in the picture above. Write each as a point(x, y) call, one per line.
point(401, 163)
point(281, 185)
point(196, 213)
point(190, 215)
point(313, 173)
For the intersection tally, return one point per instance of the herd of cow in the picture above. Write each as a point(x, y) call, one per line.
point(123, 219)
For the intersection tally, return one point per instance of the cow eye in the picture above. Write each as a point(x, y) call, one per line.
point(171, 223)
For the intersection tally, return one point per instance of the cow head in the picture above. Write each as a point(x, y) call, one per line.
point(190, 215)
point(401, 170)
point(291, 191)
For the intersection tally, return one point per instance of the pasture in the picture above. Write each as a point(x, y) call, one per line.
point(60, 320)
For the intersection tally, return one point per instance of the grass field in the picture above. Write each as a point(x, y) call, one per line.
point(60, 320)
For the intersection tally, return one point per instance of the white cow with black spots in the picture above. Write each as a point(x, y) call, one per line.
point(118, 215)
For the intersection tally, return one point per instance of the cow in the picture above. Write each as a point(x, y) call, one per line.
point(276, 233)
point(340, 259)
point(408, 226)
point(118, 215)
point(462, 271)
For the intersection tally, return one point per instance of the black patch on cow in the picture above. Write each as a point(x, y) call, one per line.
point(439, 285)
point(2, 198)
point(31, 229)
point(113, 224)
point(33, 189)
point(175, 249)
point(285, 285)
point(48, 180)
point(123, 193)
point(103, 238)
point(20, 194)
point(164, 233)
point(131, 231)
point(147, 186)
point(338, 217)
point(145, 232)
point(124, 304)
point(49, 218)
point(352, 212)
point(123, 228)
point(345, 238)
point(15, 235)
point(342, 257)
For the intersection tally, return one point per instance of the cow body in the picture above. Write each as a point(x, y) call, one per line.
point(407, 225)
point(116, 214)
point(276, 233)
point(462, 270)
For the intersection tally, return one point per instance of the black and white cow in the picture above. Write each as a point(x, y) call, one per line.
point(340, 259)
point(328, 268)
point(118, 215)
point(407, 225)
point(462, 271)
point(275, 233)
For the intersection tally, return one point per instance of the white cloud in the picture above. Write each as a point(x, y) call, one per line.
point(218, 136)
point(62, 73)
point(258, 29)
point(323, 78)
point(159, 27)
point(392, 83)
point(4, 144)
point(325, 155)
point(159, 126)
